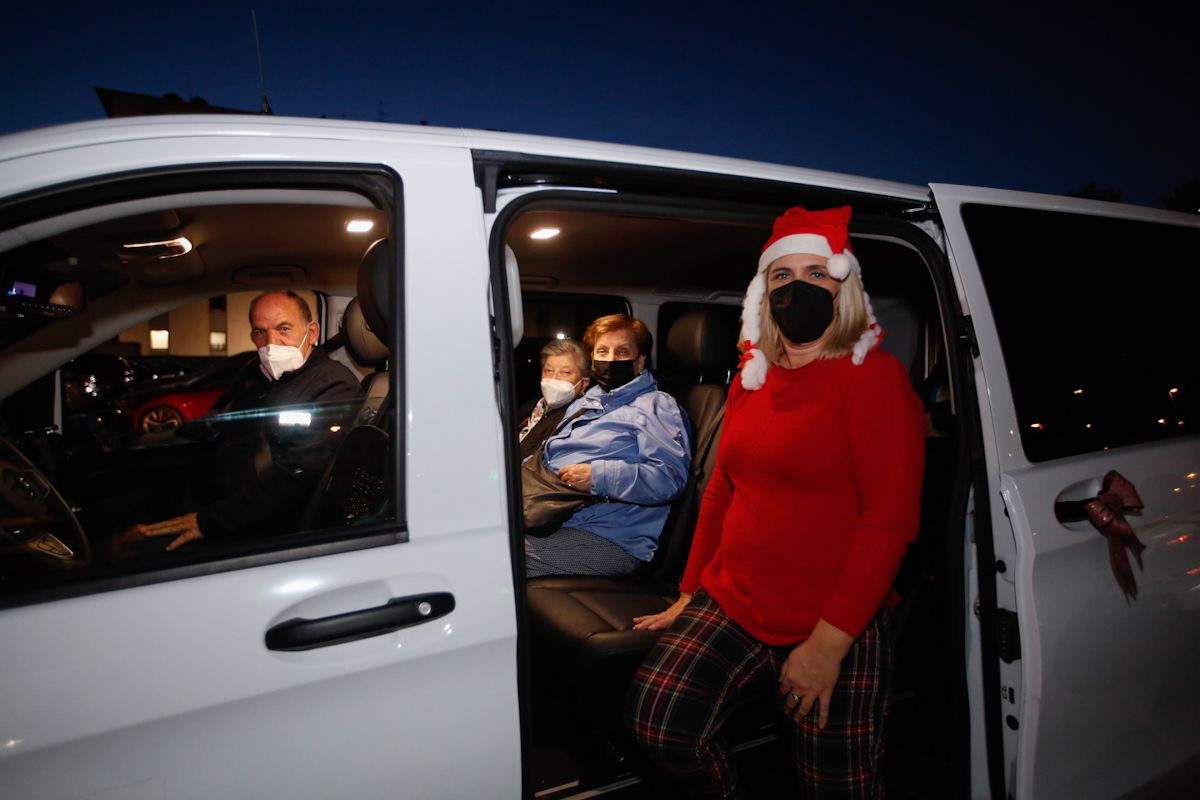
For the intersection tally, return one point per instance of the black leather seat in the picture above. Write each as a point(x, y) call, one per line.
point(581, 625)
point(354, 487)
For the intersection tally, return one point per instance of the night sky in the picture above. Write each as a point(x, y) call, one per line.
point(1041, 100)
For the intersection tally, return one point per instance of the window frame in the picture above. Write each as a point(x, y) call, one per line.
point(385, 188)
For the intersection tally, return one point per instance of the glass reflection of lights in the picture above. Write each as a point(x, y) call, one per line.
point(1078, 391)
point(448, 629)
point(545, 233)
point(299, 585)
point(334, 428)
point(359, 225)
point(170, 248)
point(560, 335)
point(1037, 426)
point(299, 418)
point(11, 743)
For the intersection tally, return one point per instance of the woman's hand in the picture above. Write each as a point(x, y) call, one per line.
point(577, 475)
point(663, 619)
point(811, 671)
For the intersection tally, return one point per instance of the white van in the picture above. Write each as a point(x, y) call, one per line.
point(388, 644)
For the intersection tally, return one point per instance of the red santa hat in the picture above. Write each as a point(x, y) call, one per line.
point(823, 233)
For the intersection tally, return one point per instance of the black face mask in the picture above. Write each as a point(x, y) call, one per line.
point(612, 374)
point(802, 310)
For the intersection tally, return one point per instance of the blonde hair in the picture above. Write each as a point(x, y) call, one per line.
point(850, 320)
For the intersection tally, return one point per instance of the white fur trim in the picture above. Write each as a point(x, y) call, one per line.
point(796, 243)
point(866, 342)
point(754, 371)
point(752, 308)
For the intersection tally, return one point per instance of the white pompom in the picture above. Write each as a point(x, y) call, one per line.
point(838, 266)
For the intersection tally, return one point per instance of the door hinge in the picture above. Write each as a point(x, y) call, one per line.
point(1008, 635)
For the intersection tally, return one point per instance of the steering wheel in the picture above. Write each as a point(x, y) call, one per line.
point(34, 517)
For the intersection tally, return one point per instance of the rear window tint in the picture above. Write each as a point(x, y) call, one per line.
point(1096, 325)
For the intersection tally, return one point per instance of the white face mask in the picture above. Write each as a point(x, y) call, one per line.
point(558, 393)
point(276, 359)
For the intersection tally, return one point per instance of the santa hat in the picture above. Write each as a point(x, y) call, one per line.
point(823, 233)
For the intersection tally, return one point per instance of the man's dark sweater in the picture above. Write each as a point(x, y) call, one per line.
point(270, 499)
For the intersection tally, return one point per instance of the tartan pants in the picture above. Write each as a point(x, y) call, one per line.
point(706, 666)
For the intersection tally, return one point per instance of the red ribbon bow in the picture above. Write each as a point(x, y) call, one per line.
point(1107, 514)
point(747, 348)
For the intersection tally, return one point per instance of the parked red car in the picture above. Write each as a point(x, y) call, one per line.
point(166, 404)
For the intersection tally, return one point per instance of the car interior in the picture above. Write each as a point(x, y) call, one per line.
point(678, 258)
point(684, 272)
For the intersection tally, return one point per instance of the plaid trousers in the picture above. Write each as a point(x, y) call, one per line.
point(706, 666)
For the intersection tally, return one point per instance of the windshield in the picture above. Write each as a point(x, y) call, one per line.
point(42, 282)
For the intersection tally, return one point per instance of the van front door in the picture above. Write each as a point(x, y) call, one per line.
point(1085, 371)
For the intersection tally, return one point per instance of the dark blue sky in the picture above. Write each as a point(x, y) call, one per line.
point(1042, 100)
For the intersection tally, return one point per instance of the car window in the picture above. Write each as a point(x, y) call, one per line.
point(1095, 324)
point(141, 432)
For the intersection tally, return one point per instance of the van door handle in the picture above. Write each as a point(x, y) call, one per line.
point(1106, 512)
point(399, 612)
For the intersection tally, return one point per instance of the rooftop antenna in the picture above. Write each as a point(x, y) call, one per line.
point(262, 82)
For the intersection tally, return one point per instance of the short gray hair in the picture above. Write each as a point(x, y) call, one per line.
point(568, 347)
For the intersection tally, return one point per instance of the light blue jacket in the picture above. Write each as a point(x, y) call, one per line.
point(638, 443)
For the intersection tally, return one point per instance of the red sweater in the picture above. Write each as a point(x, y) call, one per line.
point(814, 498)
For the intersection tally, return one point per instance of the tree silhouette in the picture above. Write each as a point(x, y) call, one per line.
point(1090, 191)
point(1184, 197)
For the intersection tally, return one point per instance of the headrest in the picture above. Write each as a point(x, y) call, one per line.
point(704, 340)
point(365, 347)
point(374, 288)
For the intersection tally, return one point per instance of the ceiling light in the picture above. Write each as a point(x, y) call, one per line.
point(545, 233)
point(165, 249)
point(359, 225)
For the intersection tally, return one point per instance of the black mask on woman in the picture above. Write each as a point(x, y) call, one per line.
point(802, 310)
point(612, 374)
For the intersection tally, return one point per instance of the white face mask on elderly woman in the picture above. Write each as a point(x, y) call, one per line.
point(557, 392)
point(276, 359)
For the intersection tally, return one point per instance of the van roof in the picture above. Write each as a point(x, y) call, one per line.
point(83, 134)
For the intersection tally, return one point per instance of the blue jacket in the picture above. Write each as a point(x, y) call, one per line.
point(638, 443)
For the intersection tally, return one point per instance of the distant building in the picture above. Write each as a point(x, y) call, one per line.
point(131, 104)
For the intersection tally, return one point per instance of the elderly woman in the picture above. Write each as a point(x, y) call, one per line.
point(565, 374)
point(626, 443)
point(813, 501)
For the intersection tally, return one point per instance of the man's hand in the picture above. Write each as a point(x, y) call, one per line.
point(184, 529)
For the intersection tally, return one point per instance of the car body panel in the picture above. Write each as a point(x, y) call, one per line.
point(1102, 698)
point(148, 688)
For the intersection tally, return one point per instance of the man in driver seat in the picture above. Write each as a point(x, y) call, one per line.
point(291, 371)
